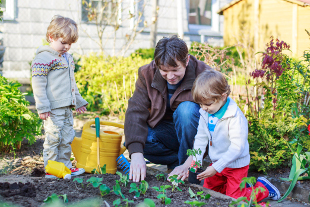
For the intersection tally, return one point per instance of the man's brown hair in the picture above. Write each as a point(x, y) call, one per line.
point(169, 50)
point(210, 84)
point(62, 27)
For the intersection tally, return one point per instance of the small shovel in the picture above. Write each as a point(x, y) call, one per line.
point(97, 124)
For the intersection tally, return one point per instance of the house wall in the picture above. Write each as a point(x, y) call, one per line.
point(238, 26)
point(303, 40)
point(275, 18)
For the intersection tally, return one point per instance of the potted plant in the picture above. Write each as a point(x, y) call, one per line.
point(195, 169)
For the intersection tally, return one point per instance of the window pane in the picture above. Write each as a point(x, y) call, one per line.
point(200, 12)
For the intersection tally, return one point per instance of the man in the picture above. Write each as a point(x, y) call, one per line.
point(162, 119)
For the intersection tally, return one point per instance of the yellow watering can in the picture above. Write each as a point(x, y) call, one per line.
point(84, 148)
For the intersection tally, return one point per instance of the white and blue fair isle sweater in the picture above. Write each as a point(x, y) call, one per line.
point(53, 81)
point(227, 130)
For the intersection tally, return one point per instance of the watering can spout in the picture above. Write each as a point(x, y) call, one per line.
point(85, 147)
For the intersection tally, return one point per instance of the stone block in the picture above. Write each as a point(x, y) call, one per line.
point(23, 3)
point(36, 15)
point(38, 28)
point(48, 4)
point(28, 55)
point(25, 28)
point(24, 14)
point(14, 54)
point(11, 28)
point(13, 40)
point(35, 4)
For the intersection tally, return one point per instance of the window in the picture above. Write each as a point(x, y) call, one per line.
point(108, 11)
point(200, 12)
point(8, 9)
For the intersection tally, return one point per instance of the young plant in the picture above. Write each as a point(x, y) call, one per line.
point(94, 181)
point(195, 203)
point(101, 170)
point(117, 189)
point(79, 180)
point(200, 193)
point(117, 202)
point(160, 176)
point(124, 179)
point(300, 165)
point(141, 189)
point(194, 153)
point(163, 197)
point(147, 203)
point(104, 190)
point(175, 182)
point(54, 198)
point(252, 202)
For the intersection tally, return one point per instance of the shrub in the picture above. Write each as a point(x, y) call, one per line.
point(108, 82)
point(16, 120)
point(144, 53)
point(279, 111)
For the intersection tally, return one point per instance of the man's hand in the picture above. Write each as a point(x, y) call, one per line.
point(44, 116)
point(181, 171)
point(137, 167)
point(82, 109)
point(209, 172)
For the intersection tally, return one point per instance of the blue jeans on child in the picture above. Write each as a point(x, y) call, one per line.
point(167, 143)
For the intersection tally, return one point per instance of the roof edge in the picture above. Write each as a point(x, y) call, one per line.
point(220, 12)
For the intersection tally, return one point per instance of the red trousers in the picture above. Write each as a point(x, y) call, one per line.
point(228, 182)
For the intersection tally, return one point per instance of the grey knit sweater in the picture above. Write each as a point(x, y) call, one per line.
point(53, 81)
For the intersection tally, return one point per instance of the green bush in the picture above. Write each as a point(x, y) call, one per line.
point(283, 83)
point(16, 120)
point(144, 53)
point(108, 82)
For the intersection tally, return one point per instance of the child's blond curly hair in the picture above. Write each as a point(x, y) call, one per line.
point(62, 27)
point(210, 84)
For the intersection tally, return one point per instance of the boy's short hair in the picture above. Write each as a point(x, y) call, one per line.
point(169, 50)
point(210, 84)
point(62, 27)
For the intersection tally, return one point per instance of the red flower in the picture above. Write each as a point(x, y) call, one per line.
point(309, 129)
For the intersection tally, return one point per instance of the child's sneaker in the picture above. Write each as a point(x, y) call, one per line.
point(76, 171)
point(274, 193)
point(50, 176)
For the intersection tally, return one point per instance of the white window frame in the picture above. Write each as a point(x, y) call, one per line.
point(119, 20)
point(9, 10)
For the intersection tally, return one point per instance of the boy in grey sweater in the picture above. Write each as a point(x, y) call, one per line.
point(55, 91)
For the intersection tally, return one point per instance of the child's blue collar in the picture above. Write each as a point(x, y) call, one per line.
point(220, 113)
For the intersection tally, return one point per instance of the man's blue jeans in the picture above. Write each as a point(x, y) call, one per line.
point(168, 142)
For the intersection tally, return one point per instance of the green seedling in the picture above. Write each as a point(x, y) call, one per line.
point(195, 203)
point(133, 188)
point(198, 194)
point(94, 181)
point(194, 153)
point(143, 187)
point(54, 198)
point(164, 199)
point(147, 203)
point(79, 180)
point(127, 201)
point(117, 202)
point(124, 179)
point(104, 190)
point(117, 189)
point(160, 176)
point(175, 182)
point(101, 170)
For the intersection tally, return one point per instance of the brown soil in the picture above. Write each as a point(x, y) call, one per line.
point(34, 194)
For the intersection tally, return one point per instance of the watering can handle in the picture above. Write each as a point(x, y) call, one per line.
point(107, 123)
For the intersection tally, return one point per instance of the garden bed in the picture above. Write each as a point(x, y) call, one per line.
point(33, 193)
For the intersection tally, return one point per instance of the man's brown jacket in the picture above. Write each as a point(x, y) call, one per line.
point(147, 106)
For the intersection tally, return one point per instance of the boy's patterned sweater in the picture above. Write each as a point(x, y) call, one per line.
point(53, 81)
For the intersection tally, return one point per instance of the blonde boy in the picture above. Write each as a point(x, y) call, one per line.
point(55, 91)
point(224, 130)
